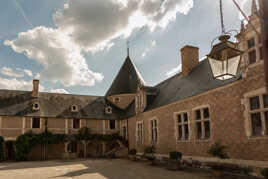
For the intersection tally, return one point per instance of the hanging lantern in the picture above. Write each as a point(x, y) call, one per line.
point(224, 59)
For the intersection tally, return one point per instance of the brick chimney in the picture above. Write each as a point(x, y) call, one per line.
point(35, 88)
point(189, 59)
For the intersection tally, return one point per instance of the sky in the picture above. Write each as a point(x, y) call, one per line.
point(78, 46)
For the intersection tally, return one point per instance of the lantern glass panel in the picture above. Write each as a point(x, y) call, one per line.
point(233, 64)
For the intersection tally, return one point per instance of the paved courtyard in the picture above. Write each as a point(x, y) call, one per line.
point(92, 169)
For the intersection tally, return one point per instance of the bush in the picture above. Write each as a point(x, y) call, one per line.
point(264, 172)
point(132, 152)
point(149, 150)
point(217, 150)
point(175, 155)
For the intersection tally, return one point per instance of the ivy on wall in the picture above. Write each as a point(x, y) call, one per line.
point(27, 141)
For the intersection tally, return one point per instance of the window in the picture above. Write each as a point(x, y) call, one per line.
point(182, 126)
point(140, 133)
point(251, 43)
point(108, 110)
point(202, 121)
point(36, 123)
point(154, 131)
point(261, 55)
point(252, 56)
point(258, 114)
point(74, 108)
point(76, 123)
point(125, 132)
point(36, 106)
point(112, 124)
point(116, 99)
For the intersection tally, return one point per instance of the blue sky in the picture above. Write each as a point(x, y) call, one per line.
point(78, 46)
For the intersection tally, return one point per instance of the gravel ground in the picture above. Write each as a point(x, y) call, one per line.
point(93, 169)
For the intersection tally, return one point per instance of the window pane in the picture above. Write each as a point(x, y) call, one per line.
point(186, 131)
point(254, 103)
point(251, 43)
point(266, 121)
point(206, 113)
point(112, 124)
point(36, 123)
point(76, 123)
point(179, 118)
point(179, 132)
point(199, 130)
point(252, 57)
point(198, 114)
point(185, 116)
point(207, 129)
point(265, 101)
point(256, 124)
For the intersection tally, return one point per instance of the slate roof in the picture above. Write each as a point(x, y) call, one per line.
point(180, 87)
point(126, 81)
point(19, 103)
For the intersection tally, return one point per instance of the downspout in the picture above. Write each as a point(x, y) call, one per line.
point(264, 36)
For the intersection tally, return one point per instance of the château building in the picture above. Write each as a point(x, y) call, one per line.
point(188, 112)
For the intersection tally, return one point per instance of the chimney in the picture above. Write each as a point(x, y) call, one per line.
point(189, 59)
point(35, 88)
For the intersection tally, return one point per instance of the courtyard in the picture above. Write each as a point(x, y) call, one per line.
point(93, 169)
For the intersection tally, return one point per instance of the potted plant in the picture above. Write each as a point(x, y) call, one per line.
point(217, 150)
point(149, 154)
point(174, 162)
point(132, 154)
point(264, 173)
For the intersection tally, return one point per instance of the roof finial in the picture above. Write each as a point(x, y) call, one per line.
point(254, 9)
point(128, 48)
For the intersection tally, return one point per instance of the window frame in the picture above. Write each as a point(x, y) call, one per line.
point(32, 122)
point(203, 120)
point(182, 124)
point(261, 110)
point(152, 130)
point(139, 142)
point(73, 123)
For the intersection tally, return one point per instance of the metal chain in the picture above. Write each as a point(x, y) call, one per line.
point(222, 23)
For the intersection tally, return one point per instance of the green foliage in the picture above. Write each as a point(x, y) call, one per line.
point(149, 150)
point(132, 152)
point(264, 172)
point(175, 155)
point(27, 141)
point(1, 148)
point(217, 150)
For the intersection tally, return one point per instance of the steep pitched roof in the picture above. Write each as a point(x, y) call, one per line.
point(181, 87)
point(126, 80)
point(19, 103)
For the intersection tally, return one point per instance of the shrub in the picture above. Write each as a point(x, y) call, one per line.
point(132, 152)
point(217, 150)
point(175, 155)
point(264, 172)
point(149, 150)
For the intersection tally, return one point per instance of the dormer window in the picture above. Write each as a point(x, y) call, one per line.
point(74, 108)
point(117, 99)
point(108, 110)
point(36, 106)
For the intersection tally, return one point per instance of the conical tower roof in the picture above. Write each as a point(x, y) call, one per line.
point(127, 79)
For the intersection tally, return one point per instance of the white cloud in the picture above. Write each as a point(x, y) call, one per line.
point(173, 71)
point(10, 73)
point(14, 84)
point(61, 59)
point(94, 24)
point(149, 49)
point(62, 91)
point(83, 26)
